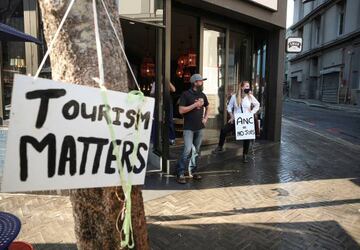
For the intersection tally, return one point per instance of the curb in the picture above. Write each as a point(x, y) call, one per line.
point(324, 106)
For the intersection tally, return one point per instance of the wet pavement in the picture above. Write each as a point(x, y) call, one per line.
point(350, 108)
point(302, 193)
point(338, 123)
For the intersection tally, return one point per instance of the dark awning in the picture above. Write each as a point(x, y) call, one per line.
point(8, 33)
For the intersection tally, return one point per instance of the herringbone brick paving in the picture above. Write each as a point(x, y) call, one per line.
point(308, 216)
point(296, 195)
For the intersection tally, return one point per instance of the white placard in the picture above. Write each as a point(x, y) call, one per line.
point(244, 126)
point(59, 138)
point(294, 45)
point(271, 4)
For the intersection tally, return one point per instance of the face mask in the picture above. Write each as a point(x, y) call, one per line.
point(246, 91)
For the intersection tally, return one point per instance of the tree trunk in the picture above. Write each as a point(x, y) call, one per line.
point(74, 60)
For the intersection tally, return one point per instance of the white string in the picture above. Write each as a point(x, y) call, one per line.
point(101, 73)
point(98, 47)
point(122, 48)
point(53, 39)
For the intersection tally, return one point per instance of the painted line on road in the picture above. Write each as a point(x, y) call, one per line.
point(332, 138)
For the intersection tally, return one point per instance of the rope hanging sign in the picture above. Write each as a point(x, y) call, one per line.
point(71, 136)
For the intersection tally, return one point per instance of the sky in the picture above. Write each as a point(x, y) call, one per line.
point(289, 14)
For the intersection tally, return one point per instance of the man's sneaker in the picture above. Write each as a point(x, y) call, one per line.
point(196, 177)
point(193, 176)
point(172, 142)
point(181, 179)
point(187, 175)
point(218, 149)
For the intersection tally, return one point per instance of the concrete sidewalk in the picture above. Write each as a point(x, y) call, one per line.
point(302, 193)
point(319, 104)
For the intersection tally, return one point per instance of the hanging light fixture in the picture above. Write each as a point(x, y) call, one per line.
point(191, 55)
point(147, 67)
point(179, 71)
point(187, 75)
point(182, 60)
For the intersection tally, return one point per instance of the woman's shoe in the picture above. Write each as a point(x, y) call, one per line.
point(218, 149)
point(245, 160)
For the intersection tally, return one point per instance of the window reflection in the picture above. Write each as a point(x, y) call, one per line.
point(214, 71)
point(142, 10)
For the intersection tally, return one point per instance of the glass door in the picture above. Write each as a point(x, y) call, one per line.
point(239, 62)
point(213, 68)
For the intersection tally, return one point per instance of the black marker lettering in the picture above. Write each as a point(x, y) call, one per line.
point(88, 116)
point(100, 145)
point(68, 154)
point(49, 141)
point(130, 114)
point(141, 158)
point(84, 154)
point(66, 110)
point(146, 117)
point(117, 118)
point(111, 157)
point(126, 154)
point(44, 95)
point(102, 113)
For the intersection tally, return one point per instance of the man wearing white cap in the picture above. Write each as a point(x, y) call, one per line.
point(193, 105)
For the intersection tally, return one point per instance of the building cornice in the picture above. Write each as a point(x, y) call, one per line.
point(343, 39)
point(314, 13)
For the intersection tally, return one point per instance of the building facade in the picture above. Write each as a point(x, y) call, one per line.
point(226, 41)
point(328, 67)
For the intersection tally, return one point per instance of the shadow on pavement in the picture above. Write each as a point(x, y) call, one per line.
point(55, 246)
point(302, 235)
point(301, 156)
point(252, 210)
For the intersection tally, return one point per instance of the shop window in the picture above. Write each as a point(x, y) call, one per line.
point(301, 32)
point(239, 61)
point(184, 42)
point(317, 23)
point(143, 49)
point(214, 69)
point(142, 10)
point(12, 54)
point(259, 79)
point(341, 17)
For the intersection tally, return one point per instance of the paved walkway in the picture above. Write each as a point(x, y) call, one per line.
point(302, 193)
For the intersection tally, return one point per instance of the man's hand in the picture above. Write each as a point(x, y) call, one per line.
point(204, 120)
point(199, 103)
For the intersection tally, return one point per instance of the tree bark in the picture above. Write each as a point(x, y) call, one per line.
point(74, 60)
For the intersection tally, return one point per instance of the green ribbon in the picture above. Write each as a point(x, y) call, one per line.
point(134, 97)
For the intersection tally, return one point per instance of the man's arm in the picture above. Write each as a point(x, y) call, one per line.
point(186, 109)
point(171, 87)
point(206, 115)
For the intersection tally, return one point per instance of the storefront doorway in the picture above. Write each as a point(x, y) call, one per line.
point(227, 54)
point(144, 49)
point(213, 68)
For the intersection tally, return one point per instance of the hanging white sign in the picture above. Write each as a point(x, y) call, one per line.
point(244, 126)
point(294, 45)
point(59, 137)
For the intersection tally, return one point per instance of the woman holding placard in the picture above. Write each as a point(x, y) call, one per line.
point(243, 102)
